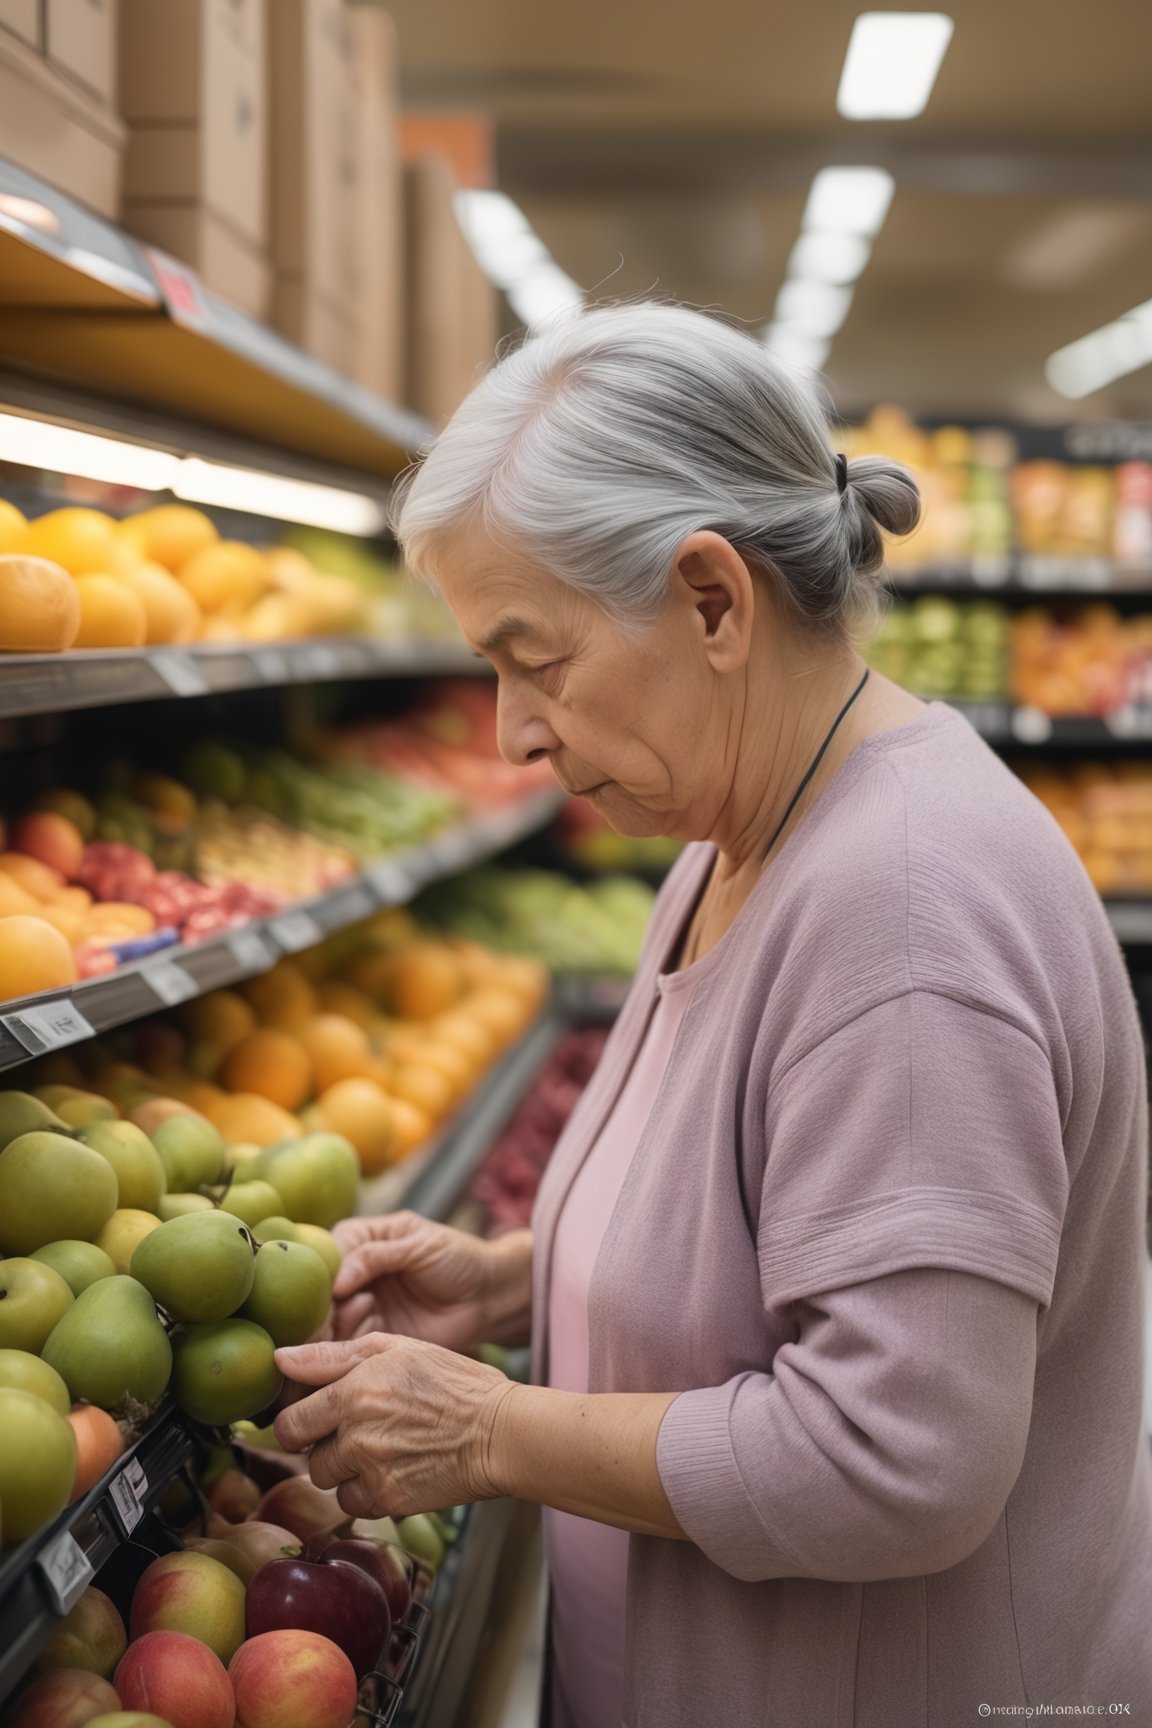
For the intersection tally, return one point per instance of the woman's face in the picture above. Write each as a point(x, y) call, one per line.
point(636, 723)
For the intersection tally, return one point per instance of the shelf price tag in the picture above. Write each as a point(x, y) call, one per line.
point(250, 950)
point(170, 983)
point(453, 850)
point(322, 660)
point(293, 931)
point(66, 1570)
point(180, 672)
point(389, 883)
point(48, 1026)
point(347, 905)
point(127, 1491)
point(271, 665)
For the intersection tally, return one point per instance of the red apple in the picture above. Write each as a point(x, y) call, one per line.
point(381, 1560)
point(177, 1678)
point(65, 1698)
point(262, 1542)
point(300, 1506)
point(340, 1602)
point(283, 1679)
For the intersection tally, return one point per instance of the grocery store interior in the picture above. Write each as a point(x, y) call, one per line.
point(263, 868)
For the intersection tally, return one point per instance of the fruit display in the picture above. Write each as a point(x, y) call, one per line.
point(1081, 659)
point(1106, 812)
point(571, 927)
point(585, 835)
point(504, 1187)
point(940, 647)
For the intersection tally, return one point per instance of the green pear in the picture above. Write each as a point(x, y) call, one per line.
point(276, 1229)
point(50, 1188)
point(252, 1202)
point(318, 1176)
point(78, 1263)
point(199, 1267)
point(37, 1463)
point(85, 1108)
point(111, 1346)
point(321, 1242)
point(140, 1174)
point(32, 1299)
point(290, 1293)
point(179, 1205)
point(241, 1153)
point(191, 1149)
point(23, 1372)
point(21, 1113)
point(224, 1373)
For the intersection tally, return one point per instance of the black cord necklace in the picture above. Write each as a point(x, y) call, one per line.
point(816, 761)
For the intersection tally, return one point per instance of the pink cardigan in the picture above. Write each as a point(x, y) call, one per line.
point(909, 1083)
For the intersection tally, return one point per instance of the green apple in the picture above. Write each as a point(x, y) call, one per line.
point(32, 1299)
point(318, 1177)
point(37, 1463)
point(20, 1370)
point(290, 1292)
point(78, 1263)
point(251, 1202)
point(140, 1175)
point(322, 1242)
point(51, 1188)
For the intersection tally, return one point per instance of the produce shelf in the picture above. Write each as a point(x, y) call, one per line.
point(83, 301)
point(1131, 920)
point(50, 1021)
point(1026, 579)
point(1012, 724)
point(42, 1578)
point(105, 677)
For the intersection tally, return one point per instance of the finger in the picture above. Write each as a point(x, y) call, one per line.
point(374, 1260)
point(311, 1419)
point(351, 1232)
point(331, 1461)
point(321, 1364)
point(356, 1499)
point(354, 1316)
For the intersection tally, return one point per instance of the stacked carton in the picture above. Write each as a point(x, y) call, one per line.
point(58, 115)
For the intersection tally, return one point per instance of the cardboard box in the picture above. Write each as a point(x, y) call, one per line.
point(378, 207)
point(193, 76)
point(22, 18)
point(452, 307)
point(325, 331)
point(226, 263)
point(312, 148)
point(54, 129)
point(81, 41)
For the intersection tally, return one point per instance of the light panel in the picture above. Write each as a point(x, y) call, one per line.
point(1104, 355)
point(849, 201)
point(829, 257)
point(87, 455)
point(261, 494)
point(891, 64)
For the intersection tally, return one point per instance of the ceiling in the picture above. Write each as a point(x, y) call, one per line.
point(667, 146)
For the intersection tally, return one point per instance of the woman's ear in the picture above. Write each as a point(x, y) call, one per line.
point(714, 584)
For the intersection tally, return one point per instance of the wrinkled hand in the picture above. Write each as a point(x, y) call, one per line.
point(404, 1274)
point(396, 1426)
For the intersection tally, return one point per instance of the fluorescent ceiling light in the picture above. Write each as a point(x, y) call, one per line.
point(275, 495)
point(891, 64)
point(849, 200)
point(796, 348)
point(544, 293)
point(1103, 355)
point(814, 308)
point(39, 444)
point(503, 241)
point(835, 258)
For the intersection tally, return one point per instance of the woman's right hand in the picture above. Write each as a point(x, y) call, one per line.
point(405, 1274)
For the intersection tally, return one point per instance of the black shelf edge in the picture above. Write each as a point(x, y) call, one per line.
point(33, 684)
point(176, 974)
point(1026, 578)
point(1131, 921)
point(94, 1525)
point(1016, 725)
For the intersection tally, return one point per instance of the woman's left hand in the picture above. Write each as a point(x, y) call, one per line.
point(396, 1426)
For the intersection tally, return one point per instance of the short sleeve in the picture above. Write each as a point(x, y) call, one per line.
point(925, 1133)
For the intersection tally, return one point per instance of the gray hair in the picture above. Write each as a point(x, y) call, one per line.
point(600, 443)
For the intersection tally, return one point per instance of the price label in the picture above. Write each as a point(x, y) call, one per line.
point(389, 883)
point(127, 1493)
point(66, 1570)
point(180, 288)
point(348, 905)
point(1031, 725)
point(171, 983)
point(293, 931)
point(271, 665)
point(250, 951)
point(48, 1026)
point(180, 672)
point(323, 660)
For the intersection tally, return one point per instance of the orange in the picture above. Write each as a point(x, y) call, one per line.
point(524, 977)
point(121, 914)
point(458, 1069)
point(81, 540)
point(226, 573)
point(423, 1086)
point(170, 611)
point(222, 1019)
point(14, 898)
point(39, 606)
point(371, 974)
point(480, 967)
point(410, 1125)
point(279, 618)
point(337, 1048)
point(111, 615)
point(13, 527)
point(500, 1011)
point(282, 997)
point(247, 1117)
point(426, 980)
point(464, 1033)
point(361, 1111)
point(270, 1063)
point(335, 998)
point(33, 957)
point(39, 880)
point(99, 1443)
point(171, 534)
point(66, 919)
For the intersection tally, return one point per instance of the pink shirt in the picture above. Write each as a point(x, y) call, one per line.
point(588, 1562)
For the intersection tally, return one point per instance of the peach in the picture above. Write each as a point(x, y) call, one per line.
point(298, 1505)
point(234, 1495)
point(192, 1593)
point(36, 878)
point(52, 839)
point(179, 1679)
point(282, 1679)
point(91, 1637)
point(65, 1698)
point(259, 1541)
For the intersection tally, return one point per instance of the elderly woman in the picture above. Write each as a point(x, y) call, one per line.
point(835, 1281)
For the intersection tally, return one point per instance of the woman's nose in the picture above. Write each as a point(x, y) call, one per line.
point(522, 733)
